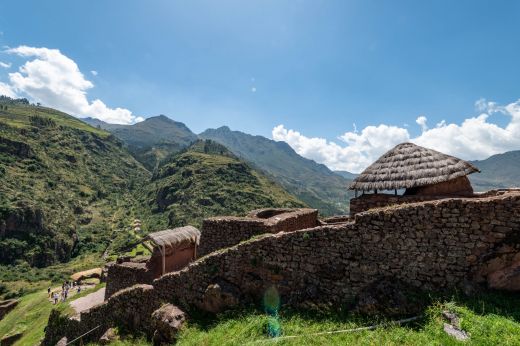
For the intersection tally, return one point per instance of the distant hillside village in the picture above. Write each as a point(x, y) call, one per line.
point(415, 222)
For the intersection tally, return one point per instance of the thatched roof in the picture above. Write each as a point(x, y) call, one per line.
point(409, 165)
point(175, 237)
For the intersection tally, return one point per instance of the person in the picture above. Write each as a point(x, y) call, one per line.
point(49, 292)
point(79, 288)
point(55, 298)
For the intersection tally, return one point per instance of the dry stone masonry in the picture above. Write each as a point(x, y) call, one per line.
point(432, 245)
point(223, 232)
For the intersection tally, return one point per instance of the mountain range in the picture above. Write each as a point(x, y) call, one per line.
point(69, 188)
point(312, 183)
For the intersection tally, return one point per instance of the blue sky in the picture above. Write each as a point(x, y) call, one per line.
point(314, 67)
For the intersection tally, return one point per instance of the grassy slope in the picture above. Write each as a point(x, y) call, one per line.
point(31, 316)
point(206, 180)
point(312, 183)
point(76, 175)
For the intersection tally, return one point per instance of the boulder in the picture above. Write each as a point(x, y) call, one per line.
point(109, 336)
point(219, 297)
point(389, 297)
point(166, 323)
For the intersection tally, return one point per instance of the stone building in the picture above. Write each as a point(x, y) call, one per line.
point(171, 249)
point(424, 174)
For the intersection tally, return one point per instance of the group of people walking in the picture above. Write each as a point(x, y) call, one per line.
point(64, 293)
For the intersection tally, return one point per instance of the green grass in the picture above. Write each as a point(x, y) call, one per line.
point(31, 316)
point(22, 279)
point(492, 319)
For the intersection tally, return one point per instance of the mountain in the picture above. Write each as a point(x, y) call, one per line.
point(311, 182)
point(150, 140)
point(347, 175)
point(497, 171)
point(62, 181)
point(205, 180)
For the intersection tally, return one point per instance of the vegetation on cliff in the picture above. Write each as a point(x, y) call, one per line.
point(61, 182)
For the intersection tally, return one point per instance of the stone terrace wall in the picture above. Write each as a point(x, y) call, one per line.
point(129, 309)
point(380, 200)
point(126, 274)
point(370, 201)
point(431, 245)
point(223, 232)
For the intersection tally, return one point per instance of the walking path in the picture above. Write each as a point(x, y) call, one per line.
point(88, 301)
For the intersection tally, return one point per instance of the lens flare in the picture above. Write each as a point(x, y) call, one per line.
point(271, 304)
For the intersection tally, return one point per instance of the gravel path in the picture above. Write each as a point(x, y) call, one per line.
point(88, 301)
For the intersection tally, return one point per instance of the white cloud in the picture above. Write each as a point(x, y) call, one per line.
point(6, 90)
point(94, 72)
point(5, 64)
point(474, 138)
point(421, 120)
point(53, 79)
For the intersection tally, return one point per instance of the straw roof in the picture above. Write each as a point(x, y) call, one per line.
point(175, 237)
point(409, 165)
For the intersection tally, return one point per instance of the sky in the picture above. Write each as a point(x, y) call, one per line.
point(340, 81)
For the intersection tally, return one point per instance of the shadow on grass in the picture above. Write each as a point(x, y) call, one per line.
point(485, 303)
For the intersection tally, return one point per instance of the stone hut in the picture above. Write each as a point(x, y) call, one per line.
point(173, 249)
point(424, 173)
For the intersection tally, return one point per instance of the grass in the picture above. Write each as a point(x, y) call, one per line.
point(490, 319)
point(22, 279)
point(31, 316)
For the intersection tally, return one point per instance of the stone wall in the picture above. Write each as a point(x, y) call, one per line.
point(435, 245)
point(370, 201)
point(129, 309)
point(126, 274)
point(431, 245)
point(223, 232)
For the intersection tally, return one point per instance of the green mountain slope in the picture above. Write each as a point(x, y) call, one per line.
point(62, 182)
point(151, 140)
point(312, 183)
point(497, 171)
point(206, 180)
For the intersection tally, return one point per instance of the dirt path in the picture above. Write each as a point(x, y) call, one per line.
point(88, 301)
